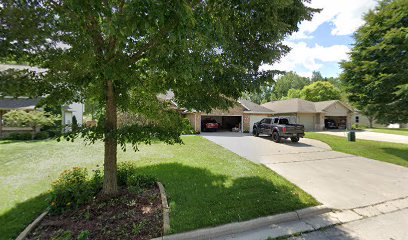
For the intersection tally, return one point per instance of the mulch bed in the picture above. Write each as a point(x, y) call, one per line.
point(125, 216)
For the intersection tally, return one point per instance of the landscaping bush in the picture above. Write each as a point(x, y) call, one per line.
point(357, 126)
point(128, 176)
point(125, 170)
point(19, 136)
point(74, 188)
point(187, 128)
point(136, 183)
point(41, 135)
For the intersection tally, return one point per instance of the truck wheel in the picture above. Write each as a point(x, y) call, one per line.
point(275, 137)
point(255, 132)
point(294, 139)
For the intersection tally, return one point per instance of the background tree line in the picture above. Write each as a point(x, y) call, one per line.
point(375, 78)
point(291, 85)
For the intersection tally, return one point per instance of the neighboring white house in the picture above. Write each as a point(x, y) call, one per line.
point(71, 110)
point(68, 111)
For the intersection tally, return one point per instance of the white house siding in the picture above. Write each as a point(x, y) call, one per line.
point(75, 109)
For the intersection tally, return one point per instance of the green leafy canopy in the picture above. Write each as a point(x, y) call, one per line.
point(122, 53)
point(376, 76)
point(33, 119)
point(206, 52)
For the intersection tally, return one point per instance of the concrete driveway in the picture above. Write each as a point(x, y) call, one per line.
point(338, 180)
point(373, 136)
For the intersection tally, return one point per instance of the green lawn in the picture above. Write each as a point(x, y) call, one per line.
point(397, 131)
point(383, 151)
point(206, 184)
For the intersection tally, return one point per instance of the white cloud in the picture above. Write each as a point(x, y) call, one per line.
point(345, 16)
point(307, 57)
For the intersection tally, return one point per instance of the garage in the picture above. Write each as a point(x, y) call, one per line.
point(221, 123)
point(240, 117)
point(335, 122)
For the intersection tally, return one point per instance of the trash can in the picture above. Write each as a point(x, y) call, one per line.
point(351, 136)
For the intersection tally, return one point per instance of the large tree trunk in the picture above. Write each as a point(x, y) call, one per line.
point(110, 185)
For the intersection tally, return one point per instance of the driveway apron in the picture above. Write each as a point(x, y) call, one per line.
point(337, 180)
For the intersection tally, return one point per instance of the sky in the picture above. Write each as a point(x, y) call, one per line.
point(320, 44)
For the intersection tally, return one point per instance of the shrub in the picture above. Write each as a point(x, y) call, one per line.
point(41, 135)
point(34, 119)
point(357, 126)
point(125, 170)
point(73, 189)
point(187, 128)
point(128, 176)
point(19, 136)
point(142, 181)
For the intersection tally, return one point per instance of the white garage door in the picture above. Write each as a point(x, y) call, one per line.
point(307, 120)
point(253, 119)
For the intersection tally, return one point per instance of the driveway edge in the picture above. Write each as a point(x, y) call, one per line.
point(238, 227)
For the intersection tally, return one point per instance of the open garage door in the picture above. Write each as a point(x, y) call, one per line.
point(335, 122)
point(225, 123)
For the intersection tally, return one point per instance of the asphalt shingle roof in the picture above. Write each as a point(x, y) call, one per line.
point(253, 107)
point(297, 105)
point(291, 106)
point(19, 103)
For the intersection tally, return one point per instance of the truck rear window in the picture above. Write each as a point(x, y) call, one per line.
point(283, 121)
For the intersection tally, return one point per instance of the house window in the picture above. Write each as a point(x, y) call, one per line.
point(357, 119)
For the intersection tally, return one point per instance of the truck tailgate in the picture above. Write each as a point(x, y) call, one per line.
point(294, 128)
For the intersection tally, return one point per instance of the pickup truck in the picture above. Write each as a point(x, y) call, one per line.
point(279, 128)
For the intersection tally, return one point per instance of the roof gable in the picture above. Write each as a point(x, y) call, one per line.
point(297, 105)
point(291, 106)
point(253, 107)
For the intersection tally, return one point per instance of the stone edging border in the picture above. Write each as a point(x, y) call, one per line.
point(237, 227)
point(31, 226)
point(166, 209)
point(166, 216)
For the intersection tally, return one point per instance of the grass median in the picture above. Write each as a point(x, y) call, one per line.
point(383, 151)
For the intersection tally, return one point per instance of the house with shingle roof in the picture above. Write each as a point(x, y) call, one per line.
point(314, 115)
point(241, 116)
point(8, 103)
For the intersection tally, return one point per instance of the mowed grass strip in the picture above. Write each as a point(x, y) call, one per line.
point(397, 131)
point(206, 184)
point(383, 151)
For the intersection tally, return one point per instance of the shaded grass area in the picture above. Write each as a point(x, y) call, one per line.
point(206, 184)
point(397, 131)
point(383, 151)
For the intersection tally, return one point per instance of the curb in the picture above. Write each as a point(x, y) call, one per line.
point(31, 226)
point(238, 227)
point(166, 209)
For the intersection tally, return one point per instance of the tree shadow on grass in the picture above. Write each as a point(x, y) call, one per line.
point(13, 222)
point(199, 198)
